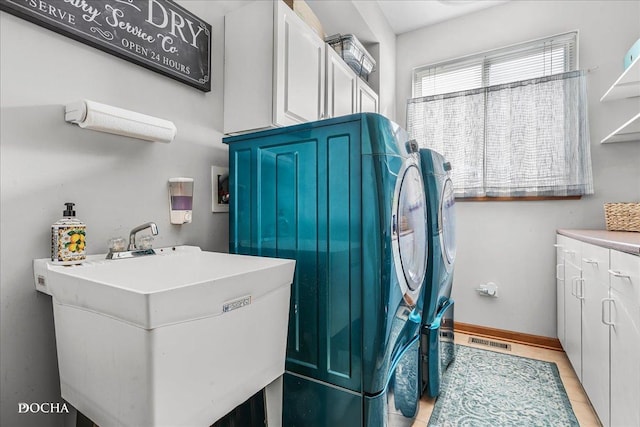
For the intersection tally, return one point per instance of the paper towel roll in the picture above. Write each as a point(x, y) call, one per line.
point(105, 118)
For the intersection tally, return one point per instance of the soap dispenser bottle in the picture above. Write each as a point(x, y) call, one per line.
point(68, 238)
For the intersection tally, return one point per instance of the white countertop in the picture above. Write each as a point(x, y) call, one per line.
point(625, 241)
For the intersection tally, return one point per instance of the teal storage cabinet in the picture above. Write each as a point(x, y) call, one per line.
point(326, 194)
point(279, 208)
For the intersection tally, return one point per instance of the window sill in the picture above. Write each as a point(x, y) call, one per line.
point(515, 199)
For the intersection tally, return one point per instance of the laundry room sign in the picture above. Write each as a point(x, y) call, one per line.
point(156, 34)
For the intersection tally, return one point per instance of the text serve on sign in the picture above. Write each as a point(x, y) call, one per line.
point(157, 34)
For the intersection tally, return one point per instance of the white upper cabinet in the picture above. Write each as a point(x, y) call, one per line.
point(273, 70)
point(341, 86)
point(279, 72)
point(299, 60)
point(346, 92)
point(367, 98)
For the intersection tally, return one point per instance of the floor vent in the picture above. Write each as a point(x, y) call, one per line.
point(489, 343)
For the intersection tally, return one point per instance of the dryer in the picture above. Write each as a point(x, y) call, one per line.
point(437, 346)
point(344, 197)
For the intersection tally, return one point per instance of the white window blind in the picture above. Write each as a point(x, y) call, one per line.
point(512, 122)
point(538, 58)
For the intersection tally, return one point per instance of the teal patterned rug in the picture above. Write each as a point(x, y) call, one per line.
point(486, 388)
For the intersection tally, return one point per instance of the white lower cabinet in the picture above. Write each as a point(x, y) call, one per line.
point(573, 305)
point(560, 245)
point(599, 326)
point(594, 291)
point(625, 339)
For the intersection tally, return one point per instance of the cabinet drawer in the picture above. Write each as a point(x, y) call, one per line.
point(571, 250)
point(595, 265)
point(625, 275)
point(561, 245)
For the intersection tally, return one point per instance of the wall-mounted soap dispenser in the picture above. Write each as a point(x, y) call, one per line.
point(181, 200)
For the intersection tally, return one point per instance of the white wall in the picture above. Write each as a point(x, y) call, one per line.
point(116, 182)
point(511, 243)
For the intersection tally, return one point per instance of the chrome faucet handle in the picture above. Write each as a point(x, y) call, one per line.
point(132, 234)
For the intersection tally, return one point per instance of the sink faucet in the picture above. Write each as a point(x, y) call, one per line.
point(132, 234)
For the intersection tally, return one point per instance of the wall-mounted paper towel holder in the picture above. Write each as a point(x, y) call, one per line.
point(105, 118)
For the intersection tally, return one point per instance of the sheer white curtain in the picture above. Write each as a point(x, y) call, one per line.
point(526, 138)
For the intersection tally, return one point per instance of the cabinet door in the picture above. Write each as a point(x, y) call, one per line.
point(561, 244)
point(625, 339)
point(573, 306)
point(284, 208)
point(299, 64)
point(341, 86)
point(367, 98)
point(248, 67)
point(242, 200)
point(595, 333)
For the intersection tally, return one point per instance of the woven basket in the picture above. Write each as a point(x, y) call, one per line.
point(622, 216)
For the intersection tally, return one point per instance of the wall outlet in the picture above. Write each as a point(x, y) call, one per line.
point(489, 289)
point(219, 189)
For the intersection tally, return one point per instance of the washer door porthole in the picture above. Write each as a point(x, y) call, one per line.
point(411, 228)
point(447, 225)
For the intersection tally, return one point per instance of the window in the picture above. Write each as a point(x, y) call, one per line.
point(511, 121)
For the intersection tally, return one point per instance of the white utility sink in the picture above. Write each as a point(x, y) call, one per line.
point(174, 339)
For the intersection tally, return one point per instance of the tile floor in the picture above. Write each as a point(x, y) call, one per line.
point(581, 406)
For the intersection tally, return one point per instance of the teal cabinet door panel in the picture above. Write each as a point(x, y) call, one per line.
point(240, 186)
point(294, 204)
point(286, 226)
point(343, 260)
